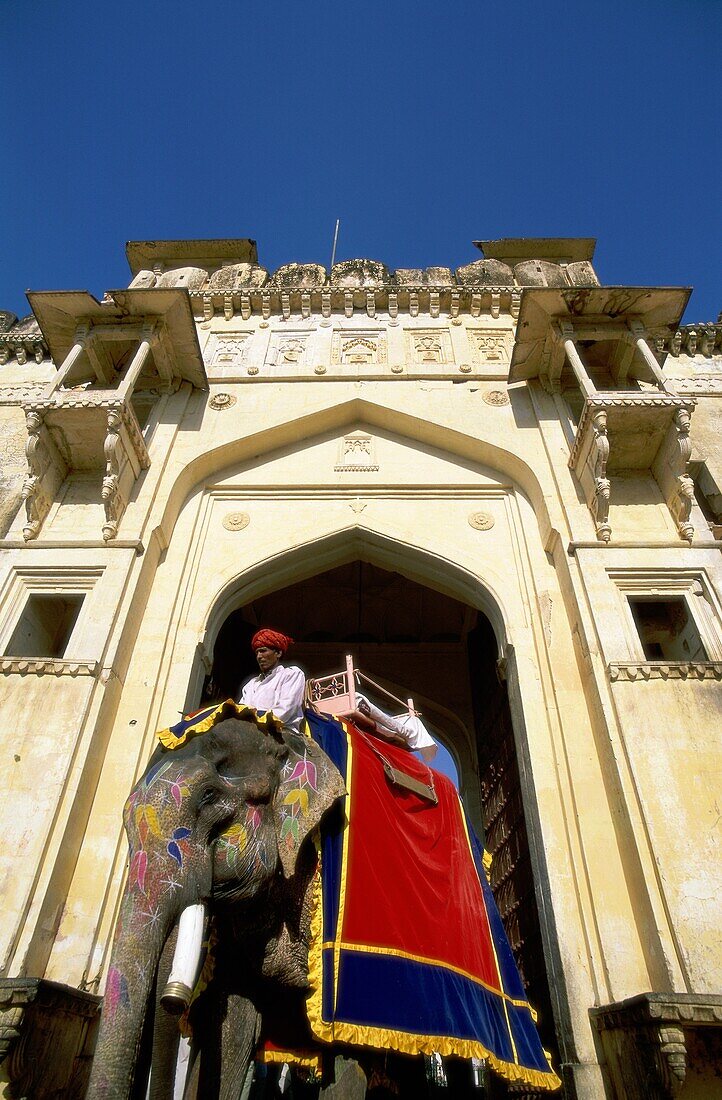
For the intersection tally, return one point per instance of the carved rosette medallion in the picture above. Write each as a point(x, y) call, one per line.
point(496, 397)
point(236, 521)
point(481, 521)
point(222, 401)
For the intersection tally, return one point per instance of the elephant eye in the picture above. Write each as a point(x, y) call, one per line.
point(208, 797)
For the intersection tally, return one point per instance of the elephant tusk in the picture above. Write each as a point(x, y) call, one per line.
point(184, 971)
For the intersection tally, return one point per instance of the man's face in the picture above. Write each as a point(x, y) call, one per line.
point(267, 658)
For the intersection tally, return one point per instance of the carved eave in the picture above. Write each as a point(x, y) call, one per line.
point(177, 352)
point(159, 255)
point(645, 1040)
point(596, 313)
point(386, 298)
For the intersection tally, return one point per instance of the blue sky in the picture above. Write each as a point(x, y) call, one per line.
point(422, 126)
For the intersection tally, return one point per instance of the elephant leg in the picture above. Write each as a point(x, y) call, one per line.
point(239, 1037)
point(223, 1047)
point(349, 1081)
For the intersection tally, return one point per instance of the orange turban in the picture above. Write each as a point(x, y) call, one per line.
point(271, 638)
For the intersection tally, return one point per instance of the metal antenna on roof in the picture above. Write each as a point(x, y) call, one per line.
point(335, 240)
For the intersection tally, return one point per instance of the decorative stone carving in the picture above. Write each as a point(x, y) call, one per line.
point(428, 346)
point(496, 397)
point(465, 368)
point(45, 473)
point(489, 345)
point(236, 521)
point(664, 670)
point(222, 401)
point(360, 273)
point(190, 278)
point(602, 490)
point(7, 320)
point(289, 350)
point(645, 1040)
point(229, 349)
point(235, 277)
point(358, 348)
point(46, 666)
point(301, 276)
point(481, 521)
point(485, 273)
point(356, 454)
point(110, 494)
point(47, 1037)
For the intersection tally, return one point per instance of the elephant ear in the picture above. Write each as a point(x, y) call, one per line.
point(309, 786)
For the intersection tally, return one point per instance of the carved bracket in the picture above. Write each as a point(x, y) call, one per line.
point(645, 1042)
point(46, 471)
point(47, 1037)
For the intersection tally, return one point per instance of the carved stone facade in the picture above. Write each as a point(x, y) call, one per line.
point(509, 477)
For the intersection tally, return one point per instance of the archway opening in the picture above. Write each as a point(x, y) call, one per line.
point(420, 642)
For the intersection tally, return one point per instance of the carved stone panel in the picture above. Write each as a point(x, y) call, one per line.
point(289, 349)
point(489, 346)
point(356, 454)
point(228, 350)
point(426, 347)
point(358, 348)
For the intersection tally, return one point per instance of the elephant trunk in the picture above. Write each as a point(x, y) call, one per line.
point(128, 993)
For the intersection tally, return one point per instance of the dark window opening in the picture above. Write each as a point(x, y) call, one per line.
point(708, 496)
point(667, 630)
point(45, 626)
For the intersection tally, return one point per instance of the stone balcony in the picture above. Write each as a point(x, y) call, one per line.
point(84, 422)
point(597, 342)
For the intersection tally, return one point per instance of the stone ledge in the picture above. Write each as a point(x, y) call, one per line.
point(46, 666)
point(665, 670)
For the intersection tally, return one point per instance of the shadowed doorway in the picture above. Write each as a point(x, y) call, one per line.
point(416, 641)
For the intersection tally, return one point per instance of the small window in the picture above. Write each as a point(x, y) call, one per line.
point(667, 630)
point(45, 626)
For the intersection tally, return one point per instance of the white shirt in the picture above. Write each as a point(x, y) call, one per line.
point(281, 690)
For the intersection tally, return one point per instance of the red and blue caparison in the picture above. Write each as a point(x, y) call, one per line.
point(409, 952)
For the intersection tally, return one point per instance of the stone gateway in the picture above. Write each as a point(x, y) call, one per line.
point(499, 488)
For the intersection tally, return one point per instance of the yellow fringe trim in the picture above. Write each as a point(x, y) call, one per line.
point(294, 1058)
point(487, 860)
point(231, 709)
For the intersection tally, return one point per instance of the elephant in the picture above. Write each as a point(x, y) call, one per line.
point(218, 820)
